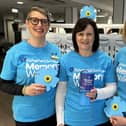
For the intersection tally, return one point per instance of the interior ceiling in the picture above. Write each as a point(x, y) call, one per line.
point(54, 6)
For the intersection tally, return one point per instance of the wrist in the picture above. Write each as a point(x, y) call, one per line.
point(24, 90)
point(96, 95)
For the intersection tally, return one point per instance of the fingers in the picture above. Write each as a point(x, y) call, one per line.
point(35, 89)
point(38, 89)
point(92, 94)
point(113, 121)
point(39, 85)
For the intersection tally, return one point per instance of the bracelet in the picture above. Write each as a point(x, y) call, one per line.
point(24, 90)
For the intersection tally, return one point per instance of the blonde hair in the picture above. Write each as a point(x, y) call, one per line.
point(124, 32)
point(40, 10)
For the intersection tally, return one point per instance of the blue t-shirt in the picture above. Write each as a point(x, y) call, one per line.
point(21, 63)
point(70, 67)
point(120, 68)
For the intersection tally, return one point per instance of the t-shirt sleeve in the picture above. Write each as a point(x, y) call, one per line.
point(9, 68)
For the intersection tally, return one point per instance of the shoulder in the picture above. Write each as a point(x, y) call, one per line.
point(122, 50)
point(121, 53)
point(103, 57)
point(52, 46)
point(15, 48)
point(102, 54)
point(69, 55)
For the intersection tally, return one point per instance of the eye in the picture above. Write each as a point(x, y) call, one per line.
point(80, 34)
point(35, 20)
point(89, 34)
point(45, 21)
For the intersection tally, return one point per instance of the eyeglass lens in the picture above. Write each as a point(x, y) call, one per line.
point(35, 21)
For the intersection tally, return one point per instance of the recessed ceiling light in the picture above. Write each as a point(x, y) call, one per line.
point(100, 16)
point(14, 10)
point(20, 2)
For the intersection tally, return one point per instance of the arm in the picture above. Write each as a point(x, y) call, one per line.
point(108, 91)
point(10, 87)
point(60, 98)
point(102, 93)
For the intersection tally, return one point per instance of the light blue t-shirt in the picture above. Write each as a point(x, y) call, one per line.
point(120, 67)
point(71, 65)
point(21, 64)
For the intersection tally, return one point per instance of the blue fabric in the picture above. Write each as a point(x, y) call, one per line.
point(71, 65)
point(21, 64)
point(120, 69)
point(47, 77)
point(115, 106)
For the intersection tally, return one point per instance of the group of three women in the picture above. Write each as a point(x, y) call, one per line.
point(33, 104)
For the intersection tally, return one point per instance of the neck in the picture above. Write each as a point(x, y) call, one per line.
point(37, 42)
point(85, 53)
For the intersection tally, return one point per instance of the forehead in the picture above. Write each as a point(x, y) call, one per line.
point(88, 28)
point(37, 14)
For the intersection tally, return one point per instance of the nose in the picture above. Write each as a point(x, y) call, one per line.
point(84, 37)
point(40, 23)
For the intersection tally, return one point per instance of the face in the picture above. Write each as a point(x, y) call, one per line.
point(37, 24)
point(85, 39)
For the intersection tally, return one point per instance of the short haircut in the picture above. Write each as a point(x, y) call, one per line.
point(40, 10)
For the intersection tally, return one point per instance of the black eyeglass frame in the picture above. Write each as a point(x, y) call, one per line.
point(35, 21)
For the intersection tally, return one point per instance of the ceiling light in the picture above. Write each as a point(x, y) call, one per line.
point(14, 10)
point(100, 16)
point(98, 10)
point(20, 2)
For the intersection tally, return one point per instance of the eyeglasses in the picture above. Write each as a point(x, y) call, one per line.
point(35, 21)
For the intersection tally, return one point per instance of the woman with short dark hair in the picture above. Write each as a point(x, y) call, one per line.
point(86, 80)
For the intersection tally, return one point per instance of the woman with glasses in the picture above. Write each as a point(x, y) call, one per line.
point(33, 103)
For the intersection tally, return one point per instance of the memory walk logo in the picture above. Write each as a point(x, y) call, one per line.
point(32, 66)
point(121, 72)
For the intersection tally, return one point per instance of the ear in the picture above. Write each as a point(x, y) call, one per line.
point(26, 22)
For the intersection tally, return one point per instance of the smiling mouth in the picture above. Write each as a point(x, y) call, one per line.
point(84, 43)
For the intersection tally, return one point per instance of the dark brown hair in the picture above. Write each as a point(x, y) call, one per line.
point(80, 26)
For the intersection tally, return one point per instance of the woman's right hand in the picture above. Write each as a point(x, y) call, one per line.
point(34, 89)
